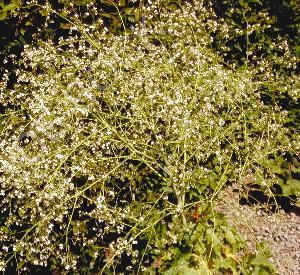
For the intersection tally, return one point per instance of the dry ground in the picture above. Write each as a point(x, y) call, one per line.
point(281, 230)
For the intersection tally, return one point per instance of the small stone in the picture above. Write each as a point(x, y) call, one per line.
point(265, 228)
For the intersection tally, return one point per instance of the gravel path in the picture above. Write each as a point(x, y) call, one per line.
point(280, 230)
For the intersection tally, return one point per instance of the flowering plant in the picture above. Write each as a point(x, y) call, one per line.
point(114, 149)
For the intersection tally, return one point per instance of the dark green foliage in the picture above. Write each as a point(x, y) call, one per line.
point(279, 18)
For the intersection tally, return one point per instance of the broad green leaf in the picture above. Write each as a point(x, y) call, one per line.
point(9, 7)
point(292, 187)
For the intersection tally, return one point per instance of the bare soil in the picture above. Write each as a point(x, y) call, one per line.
point(280, 229)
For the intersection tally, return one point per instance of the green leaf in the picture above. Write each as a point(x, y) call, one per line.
point(229, 236)
point(122, 3)
point(129, 11)
point(43, 12)
point(179, 266)
point(255, 1)
point(9, 7)
point(298, 50)
point(17, 2)
point(188, 271)
point(20, 264)
point(109, 15)
point(292, 187)
point(238, 47)
point(173, 6)
point(3, 16)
